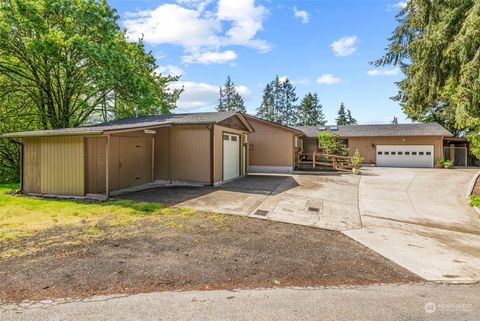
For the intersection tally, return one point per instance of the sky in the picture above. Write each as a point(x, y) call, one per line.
point(322, 46)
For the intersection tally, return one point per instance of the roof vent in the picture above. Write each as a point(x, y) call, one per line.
point(333, 127)
point(322, 128)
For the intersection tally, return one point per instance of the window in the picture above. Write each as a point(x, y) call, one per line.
point(386, 153)
point(226, 137)
point(429, 153)
point(420, 153)
point(380, 153)
point(414, 153)
point(407, 153)
point(400, 153)
point(234, 138)
point(394, 153)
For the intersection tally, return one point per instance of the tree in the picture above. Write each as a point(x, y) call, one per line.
point(266, 109)
point(350, 119)
point(342, 118)
point(437, 46)
point(289, 108)
point(69, 60)
point(310, 111)
point(230, 99)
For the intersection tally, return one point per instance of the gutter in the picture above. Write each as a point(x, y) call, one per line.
point(34, 134)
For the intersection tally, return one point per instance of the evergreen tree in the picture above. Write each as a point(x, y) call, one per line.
point(266, 109)
point(310, 111)
point(278, 100)
point(289, 108)
point(230, 99)
point(342, 118)
point(350, 119)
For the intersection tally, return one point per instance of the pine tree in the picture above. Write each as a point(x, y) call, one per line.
point(310, 111)
point(266, 109)
point(350, 119)
point(342, 115)
point(289, 108)
point(278, 99)
point(230, 99)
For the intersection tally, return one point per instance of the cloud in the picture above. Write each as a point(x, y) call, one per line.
point(328, 79)
point(302, 15)
point(199, 96)
point(170, 70)
point(200, 25)
point(384, 72)
point(344, 46)
point(210, 57)
point(400, 4)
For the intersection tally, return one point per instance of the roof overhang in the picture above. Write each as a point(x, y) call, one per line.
point(296, 131)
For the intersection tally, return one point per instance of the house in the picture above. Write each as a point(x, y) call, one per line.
point(394, 145)
point(200, 148)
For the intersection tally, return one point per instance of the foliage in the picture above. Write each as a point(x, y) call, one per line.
point(475, 200)
point(310, 111)
point(64, 63)
point(344, 116)
point(230, 99)
point(357, 159)
point(279, 102)
point(331, 144)
point(448, 163)
point(350, 119)
point(437, 46)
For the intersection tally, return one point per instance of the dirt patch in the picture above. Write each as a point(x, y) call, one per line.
point(196, 252)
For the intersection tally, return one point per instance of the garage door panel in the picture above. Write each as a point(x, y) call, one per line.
point(405, 155)
point(231, 156)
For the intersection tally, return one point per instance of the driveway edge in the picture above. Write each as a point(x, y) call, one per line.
point(470, 188)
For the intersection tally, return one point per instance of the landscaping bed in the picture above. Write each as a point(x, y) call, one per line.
point(143, 248)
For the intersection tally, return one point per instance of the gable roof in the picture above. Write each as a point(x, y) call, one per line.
point(138, 122)
point(271, 123)
point(382, 130)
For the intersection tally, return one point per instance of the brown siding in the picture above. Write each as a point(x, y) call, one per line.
point(31, 165)
point(234, 123)
point(95, 148)
point(190, 153)
point(218, 138)
point(270, 145)
point(162, 154)
point(366, 145)
point(62, 164)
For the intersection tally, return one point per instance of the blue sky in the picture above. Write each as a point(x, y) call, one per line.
point(322, 46)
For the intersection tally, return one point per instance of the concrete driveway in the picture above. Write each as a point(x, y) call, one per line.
point(419, 219)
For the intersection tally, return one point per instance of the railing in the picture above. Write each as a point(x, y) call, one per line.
point(316, 160)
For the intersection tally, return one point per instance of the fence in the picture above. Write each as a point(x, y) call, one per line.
point(459, 155)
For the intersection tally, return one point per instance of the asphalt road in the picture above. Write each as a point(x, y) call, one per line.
point(384, 302)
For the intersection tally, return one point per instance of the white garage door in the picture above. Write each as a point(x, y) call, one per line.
point(405, 155)
point(231, 156)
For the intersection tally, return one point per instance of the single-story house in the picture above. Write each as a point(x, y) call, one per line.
point(199, 148)
point(394, 145)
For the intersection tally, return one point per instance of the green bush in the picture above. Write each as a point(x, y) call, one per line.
point(357, 159)
point(475, 200)
point(332, 144)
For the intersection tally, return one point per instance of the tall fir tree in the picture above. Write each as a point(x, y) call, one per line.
point(279, 102)
point(342, 118)
point(289, 108)
point(266, 109)
point(310, 111)
point(230, 99)
point(350, 119)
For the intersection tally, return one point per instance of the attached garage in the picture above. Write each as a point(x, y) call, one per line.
point(405, 155)
point(201, 149)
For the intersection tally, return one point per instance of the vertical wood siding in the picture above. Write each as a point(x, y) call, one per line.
point(270, 145)
point(31, 165)
point(162, 154)
point(95, 148)
point(62, 165)
point(218, 139)
point(366, 145)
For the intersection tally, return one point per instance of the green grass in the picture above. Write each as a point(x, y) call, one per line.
point(475, 200)
point(6, 188)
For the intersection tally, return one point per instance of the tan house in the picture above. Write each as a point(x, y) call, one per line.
point(201, 148)
point(392, 145)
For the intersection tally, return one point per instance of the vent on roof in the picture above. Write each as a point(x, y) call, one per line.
point(322, 128)
point(333, 127)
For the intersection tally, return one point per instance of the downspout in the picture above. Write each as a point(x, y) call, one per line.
point(212, 154)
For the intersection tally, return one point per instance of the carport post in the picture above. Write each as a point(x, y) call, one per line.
point(107, 168)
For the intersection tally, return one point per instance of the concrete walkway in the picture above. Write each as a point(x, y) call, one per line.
point(384, 302)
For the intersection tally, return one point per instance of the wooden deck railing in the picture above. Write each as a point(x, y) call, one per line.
point(316, 160)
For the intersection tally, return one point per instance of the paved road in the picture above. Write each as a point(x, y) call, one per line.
point(387, 302)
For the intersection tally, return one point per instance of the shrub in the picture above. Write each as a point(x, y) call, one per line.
point(331, 144)
point(357, 159)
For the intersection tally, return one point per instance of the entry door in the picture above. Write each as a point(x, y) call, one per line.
point(231, 156)
point(405, 155)
point(135, 161)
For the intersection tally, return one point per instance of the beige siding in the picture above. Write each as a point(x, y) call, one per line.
point(31, 165)
point(162, 154)
point(366, 145)
point(270, 145)
point(62, 166)
point(190, 153)
point(95, 148)
point(218, 138)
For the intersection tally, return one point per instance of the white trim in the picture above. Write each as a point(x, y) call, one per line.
point(270, 169)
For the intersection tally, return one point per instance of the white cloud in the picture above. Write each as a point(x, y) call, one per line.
point(302, 15)
point(210, 57)
point(400, 4)
point(328, 79)
point(170, 70)
point(200, 25)
point(199, 96)
point(344, 46)
point(384, 72)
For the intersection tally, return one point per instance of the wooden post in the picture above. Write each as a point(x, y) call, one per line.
point(107, 168)
point(153, 159)
point(313, 160)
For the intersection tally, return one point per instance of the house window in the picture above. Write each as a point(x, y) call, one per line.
point(234, 138)
point(394, 153)
point(420, 153)
point(386, 153)
point(429, 153)
point(400, 153)
point(414, 153)
point(226, 137)
point(380, 153)
point(407, 153)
